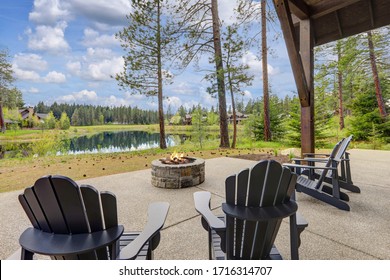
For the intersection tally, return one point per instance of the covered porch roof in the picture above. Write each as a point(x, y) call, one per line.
point(309, 23)
point(336, 19)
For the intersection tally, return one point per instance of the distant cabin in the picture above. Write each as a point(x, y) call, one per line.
point(26, 112)
point(239, 117)
point(187, 120)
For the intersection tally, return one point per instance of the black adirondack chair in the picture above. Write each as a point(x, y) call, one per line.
point(345, 176)
point(257, 200)
point(319, 188)
point(78, 222)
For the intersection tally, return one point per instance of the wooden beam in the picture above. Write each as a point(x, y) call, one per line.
point(329, 6)
point(284, 14)
point(339, 24)
point(371, 13)
point(306, 43)
point(299, 8)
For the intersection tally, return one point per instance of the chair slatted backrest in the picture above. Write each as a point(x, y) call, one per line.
point(56, 204)
point(343, 148)
point(266, 184)
point(332, 156)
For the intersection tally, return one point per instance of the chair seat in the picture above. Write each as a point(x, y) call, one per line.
point(307, 182)
point(306, 185)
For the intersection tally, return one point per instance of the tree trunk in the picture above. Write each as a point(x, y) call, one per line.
point(223, 124)
point(2, 121)
point(163, 144)
point(378, 89)
point(340, 90)
point(234, 141)
point(267, 123)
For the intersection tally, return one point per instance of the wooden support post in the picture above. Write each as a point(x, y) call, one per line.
point(306, 44)
point(290, 37)
point(300, 52)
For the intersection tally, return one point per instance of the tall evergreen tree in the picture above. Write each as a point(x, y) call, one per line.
point(378, 88)
point(236, 73)
point(146, 40)
point(10, 97)
point(201, 26)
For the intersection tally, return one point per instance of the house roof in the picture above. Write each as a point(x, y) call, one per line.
point(41, 115)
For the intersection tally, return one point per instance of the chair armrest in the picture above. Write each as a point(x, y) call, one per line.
point(157, 214)
point(301, 221)
point(202, 206)
point(314, 154)
point(310, 159)
point(291, 165)
point(260, 213)
point(49, 244)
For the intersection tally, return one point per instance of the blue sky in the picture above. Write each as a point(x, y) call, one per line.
point(66, 51)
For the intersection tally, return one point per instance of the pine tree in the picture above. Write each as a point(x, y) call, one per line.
point(147, 40)
point(200, 24)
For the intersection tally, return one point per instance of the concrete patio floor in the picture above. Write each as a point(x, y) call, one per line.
point(332, 234)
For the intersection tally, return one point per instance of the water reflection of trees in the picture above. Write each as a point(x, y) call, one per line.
point(119, 141)
point(104, 142)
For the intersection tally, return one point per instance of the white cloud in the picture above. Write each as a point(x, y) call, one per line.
point(48, 38)
point(98, 53)
point(255, 65)
point(98, 64)
point(115, 101)
point(206, 99)
point(48, 12)
point(54, 77)
point(80, 97)
point(32, 90)
point(29, 61)
point(248, 94)
point(174, 101)
point(226, 10)
point(101, 63)
point(86, 94)
point(74, 67)
point(93, 38)
point(104, 69)
point(27, 75)
point(105, 12)
point(182, 88)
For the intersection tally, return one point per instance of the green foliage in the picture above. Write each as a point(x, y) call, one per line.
point(212, 118)
point(255, 122)
point(12, 114)
point(64, 122)
point(366, 118)
point(50, 121)
point(10, 97)
point(198, 127)
point(31, 121)
point(293, 123)
point(352, 73)
point(176, 120)
point(44, 146)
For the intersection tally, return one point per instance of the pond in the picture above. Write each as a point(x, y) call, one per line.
point(120, 141)
point(103, 142)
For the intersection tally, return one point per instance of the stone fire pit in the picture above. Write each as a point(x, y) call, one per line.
point(176, 176)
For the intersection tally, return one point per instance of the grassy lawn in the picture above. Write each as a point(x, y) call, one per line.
point(19, 173)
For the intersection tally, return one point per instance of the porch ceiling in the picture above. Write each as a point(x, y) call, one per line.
point(336, 19)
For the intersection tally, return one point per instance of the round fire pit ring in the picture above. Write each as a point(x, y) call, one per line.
point(177, 176)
